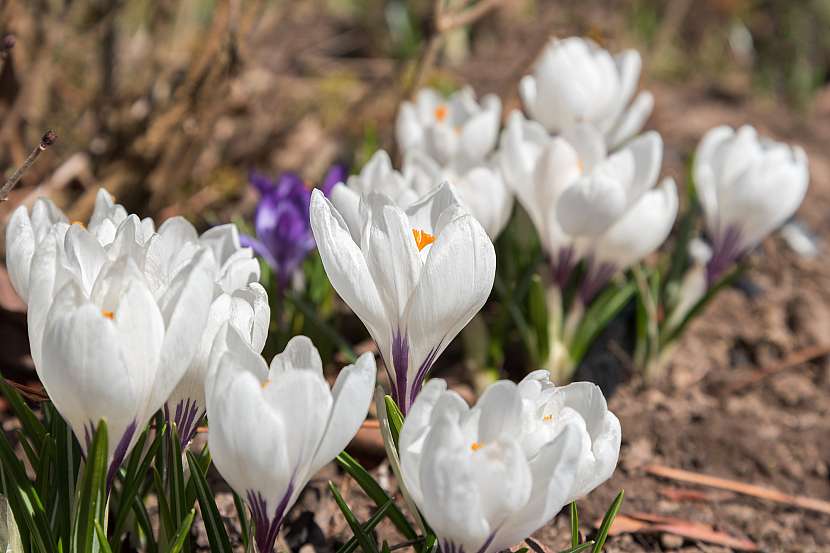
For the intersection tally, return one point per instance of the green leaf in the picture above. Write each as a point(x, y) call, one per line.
point(607, 520)
point(143, 520)
point(32, 427)
point(376, 493)
point(102, 537)
point(134, 477)
point(25, 503)
point(373, 521)
point(537, 309)
point(92, 493)
point(217, 534)
point(183, 532)
point(167, 523)
point(178, 500)
point(601, 312)
point(66, 465)
point(367, 544)
point(574, 525)
point(329, 331)
point(395, 417)
point(580, 547)
point(244, 522)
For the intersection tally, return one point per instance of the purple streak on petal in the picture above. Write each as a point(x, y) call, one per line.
point(423, 370)
point(120, 453)
point(726, 251)
point(400, 364)
point(186, 417)
point(596, 278)
point(336, 174)
point(267, 527)
point(563, 265)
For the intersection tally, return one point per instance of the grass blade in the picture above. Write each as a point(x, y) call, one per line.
point(395, 418)
point(217, 534)
point(376, 493)
point(92, 492)
point(184, 532)
point(367, 544)
point(370, 524)
point(32, 427)
point(580, 547)
point(102, 538)
point(244, 522)
point(574, 525)
point(607, 520)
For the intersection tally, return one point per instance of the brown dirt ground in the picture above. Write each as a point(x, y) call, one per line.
point(773, 432)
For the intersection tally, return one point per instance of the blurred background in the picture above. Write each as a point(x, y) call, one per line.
point(171, 104)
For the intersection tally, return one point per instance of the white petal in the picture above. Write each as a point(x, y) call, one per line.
point(352, 395)
point(20, 247)
point(299, 355)
point(632, 120)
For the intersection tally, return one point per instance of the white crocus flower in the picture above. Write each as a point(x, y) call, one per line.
point(485, 478)
point(116, 311)
point(377, 177)
point(272, 429)
point(237, 298)
point(575, 81)
point(480, 188)
point(415, 278)
point(748, 186)
point(585, 203)
point(454, 130)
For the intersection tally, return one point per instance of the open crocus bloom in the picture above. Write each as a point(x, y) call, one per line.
point(415, 278)
point(300, 423)
point(117, 311)
point(451, 130)
point(487, 477)
point(585, 203)
point(575, 81)
point(480, 188)
point(748, 186)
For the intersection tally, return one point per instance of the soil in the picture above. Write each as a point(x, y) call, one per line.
point(711, 413)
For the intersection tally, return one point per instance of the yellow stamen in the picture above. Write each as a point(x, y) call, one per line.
point(580, 165)
point(79, 223)
point(476, 446)
point(441, 113)
point(547, 418)
point(422, 238)
point(265, 383)
point(107, 314)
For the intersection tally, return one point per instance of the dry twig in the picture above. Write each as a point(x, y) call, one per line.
point(47, 140)
point(793, 360)
point(760, 492)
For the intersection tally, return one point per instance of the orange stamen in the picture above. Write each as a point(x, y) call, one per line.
point(547, 418)
point(441, 113)
point(265, 383)
point(476, 446)
point(422, 238)
point(107, 314)
point(79, 223)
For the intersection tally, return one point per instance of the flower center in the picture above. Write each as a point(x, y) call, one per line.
point(265, 383)
point(107, 314)
point(475, 446)
point(79, 223)
point(441, 113)
point(547, 418)
point(422, 238)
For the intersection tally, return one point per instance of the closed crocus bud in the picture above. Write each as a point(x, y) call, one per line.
point(415, 278)
point(585, 203)
point(487, 477)
point(300, 423)
point(454, 130)
point(748, 186)
point(480, 188)
point(575, 81)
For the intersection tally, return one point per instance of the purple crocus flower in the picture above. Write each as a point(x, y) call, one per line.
point(283, 231)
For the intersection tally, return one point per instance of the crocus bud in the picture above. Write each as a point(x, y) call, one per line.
point(272, 429)
point(415, 278)
point(748, 186)
point(487, 477)
point(575, 81)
